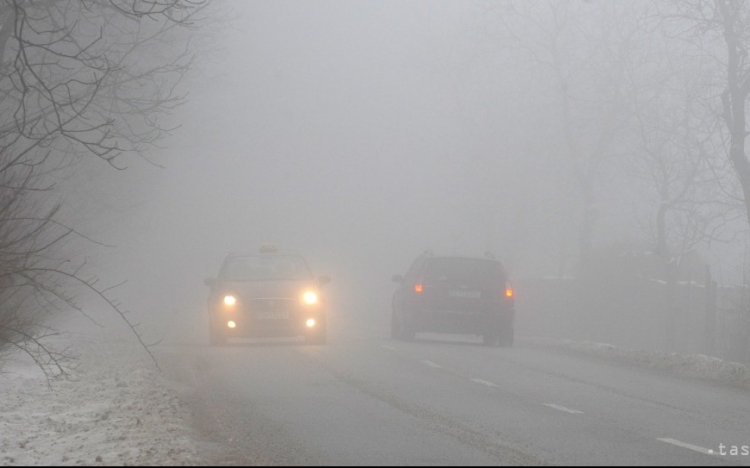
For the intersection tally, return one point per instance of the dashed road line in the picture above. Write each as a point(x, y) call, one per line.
point(389, 348)
point(562, 408)
point(484, 382)
point(696, 448)
point(432, 364)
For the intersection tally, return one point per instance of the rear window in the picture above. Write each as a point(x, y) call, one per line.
point(463, 270)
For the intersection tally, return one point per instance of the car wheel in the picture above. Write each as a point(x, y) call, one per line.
point(507, 336)
point(216, 338)
point(394, 327)
point(408, 333)
point(317, 337)
point(491, 339)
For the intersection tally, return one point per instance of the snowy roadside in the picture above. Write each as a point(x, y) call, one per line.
point(115, 409)
point(697, 366)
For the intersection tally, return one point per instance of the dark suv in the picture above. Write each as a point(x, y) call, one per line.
point(451, 294)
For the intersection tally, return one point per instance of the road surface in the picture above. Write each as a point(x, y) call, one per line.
point(443, 400)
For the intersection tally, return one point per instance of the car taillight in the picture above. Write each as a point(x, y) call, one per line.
point(508, 290)
point(418, 288)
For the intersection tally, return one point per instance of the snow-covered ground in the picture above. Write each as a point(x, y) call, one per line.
point(697, 366)
point(116, 408)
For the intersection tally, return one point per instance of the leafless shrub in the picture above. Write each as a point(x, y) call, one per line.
point(78, 78)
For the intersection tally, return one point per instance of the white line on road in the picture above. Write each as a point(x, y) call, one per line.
point(483, 382)
point(389, 348)
point(702, 450)
point(562, 408)
point(431, 364)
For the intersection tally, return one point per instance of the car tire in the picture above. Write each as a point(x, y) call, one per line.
point(408, 333)
point(318, 336)
point(216, 338)
point(491, 339)
point(401, 327)
point(395, 332)
point(507, 336)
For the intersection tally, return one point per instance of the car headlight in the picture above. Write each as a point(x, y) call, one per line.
point(310, 298)
point(230, 300)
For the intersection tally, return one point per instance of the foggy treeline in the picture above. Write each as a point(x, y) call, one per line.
point(629, 104)
point(649, 97)
point(640, 107)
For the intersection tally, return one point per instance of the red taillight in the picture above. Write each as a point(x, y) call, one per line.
point(418, 288)
point(508, 291)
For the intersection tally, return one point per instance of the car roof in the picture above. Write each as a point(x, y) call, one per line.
point(263, 254)
point(463, 257)
point(487, 256)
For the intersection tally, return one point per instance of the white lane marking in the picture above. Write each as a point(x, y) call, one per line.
point(562, 408)
point(483, 382)
point(702, 450)
point(431, 364)
point(389, 348)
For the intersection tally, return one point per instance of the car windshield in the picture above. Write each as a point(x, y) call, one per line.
point(262, 268)
point(462, 270)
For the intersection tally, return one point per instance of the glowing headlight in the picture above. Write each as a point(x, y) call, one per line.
point(310, 323)
point(230, 300)
point(310, 297)
point(231, 324)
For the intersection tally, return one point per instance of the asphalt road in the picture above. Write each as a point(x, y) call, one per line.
point(365, 399)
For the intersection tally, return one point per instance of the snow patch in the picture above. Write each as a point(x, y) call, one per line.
point(694, 365)
point(114, 409)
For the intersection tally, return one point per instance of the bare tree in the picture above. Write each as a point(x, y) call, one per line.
point(78, 79)
point(720, 30)
point(576, 46)
point(674, 133)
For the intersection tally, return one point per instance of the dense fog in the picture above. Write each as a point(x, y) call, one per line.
point(596, 148)
point(362, 134)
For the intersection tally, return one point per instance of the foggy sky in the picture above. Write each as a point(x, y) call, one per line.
point(361, 134)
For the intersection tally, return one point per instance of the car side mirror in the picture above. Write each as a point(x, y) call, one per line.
point(397, 279)
point(210, 282)
point(324, 279)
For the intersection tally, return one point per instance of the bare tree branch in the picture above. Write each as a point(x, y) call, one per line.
point(78, 78)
